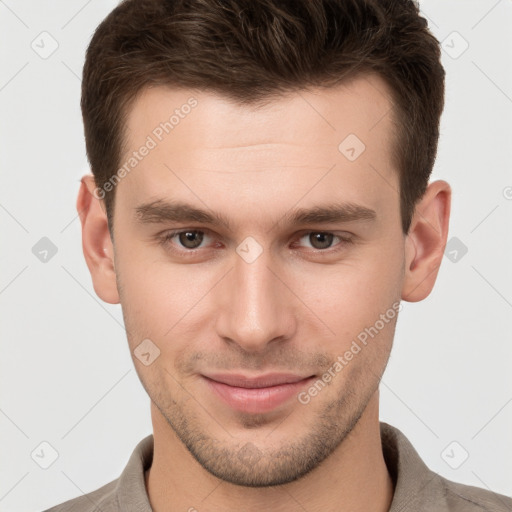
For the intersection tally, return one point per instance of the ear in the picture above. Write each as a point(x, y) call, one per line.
point(96, 242)
point(426, 241)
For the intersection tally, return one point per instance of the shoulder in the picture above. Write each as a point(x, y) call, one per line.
point(419, 488)
point(104, 499)
point(128, 492)
point(461, 497)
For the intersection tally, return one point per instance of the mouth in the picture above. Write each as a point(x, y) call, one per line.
point(259, 394)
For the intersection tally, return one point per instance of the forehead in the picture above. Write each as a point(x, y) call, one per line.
point(202, 142)
point(317, 114)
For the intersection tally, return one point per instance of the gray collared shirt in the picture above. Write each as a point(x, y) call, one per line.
point(417, 488)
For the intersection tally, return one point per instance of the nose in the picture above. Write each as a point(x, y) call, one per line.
point(255, 307)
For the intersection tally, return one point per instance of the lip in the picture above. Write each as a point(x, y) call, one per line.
point(258, 394)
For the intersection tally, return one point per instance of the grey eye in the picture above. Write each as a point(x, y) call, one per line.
point(321, 240)
point(191, 239)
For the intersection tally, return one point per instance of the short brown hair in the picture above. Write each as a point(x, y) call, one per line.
point(252, 50)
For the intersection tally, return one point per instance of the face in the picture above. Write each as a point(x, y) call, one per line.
point(257, 308)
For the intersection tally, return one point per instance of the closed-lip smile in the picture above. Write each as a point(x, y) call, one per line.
point(255, 394)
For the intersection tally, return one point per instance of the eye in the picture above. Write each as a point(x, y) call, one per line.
point(189, 239)
point(322, 240)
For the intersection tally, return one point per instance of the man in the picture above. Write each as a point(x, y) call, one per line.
point(260, 205)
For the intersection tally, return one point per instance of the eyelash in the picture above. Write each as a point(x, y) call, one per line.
point(165, 240)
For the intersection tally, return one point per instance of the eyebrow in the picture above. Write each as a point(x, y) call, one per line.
point(161, 211)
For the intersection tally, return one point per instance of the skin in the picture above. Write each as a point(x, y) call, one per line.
point(293, 309)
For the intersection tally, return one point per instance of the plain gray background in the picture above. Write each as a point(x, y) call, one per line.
point(67, 378)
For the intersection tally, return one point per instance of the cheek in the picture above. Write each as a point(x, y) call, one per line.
point(352, 295)
point(160, 300)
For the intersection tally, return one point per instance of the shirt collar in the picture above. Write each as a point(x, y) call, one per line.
point(416, 486)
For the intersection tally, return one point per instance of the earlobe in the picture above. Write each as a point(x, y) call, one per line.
point(96, 242)
point(426, 241)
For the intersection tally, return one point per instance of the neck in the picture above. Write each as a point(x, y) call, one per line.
point(353, 478)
